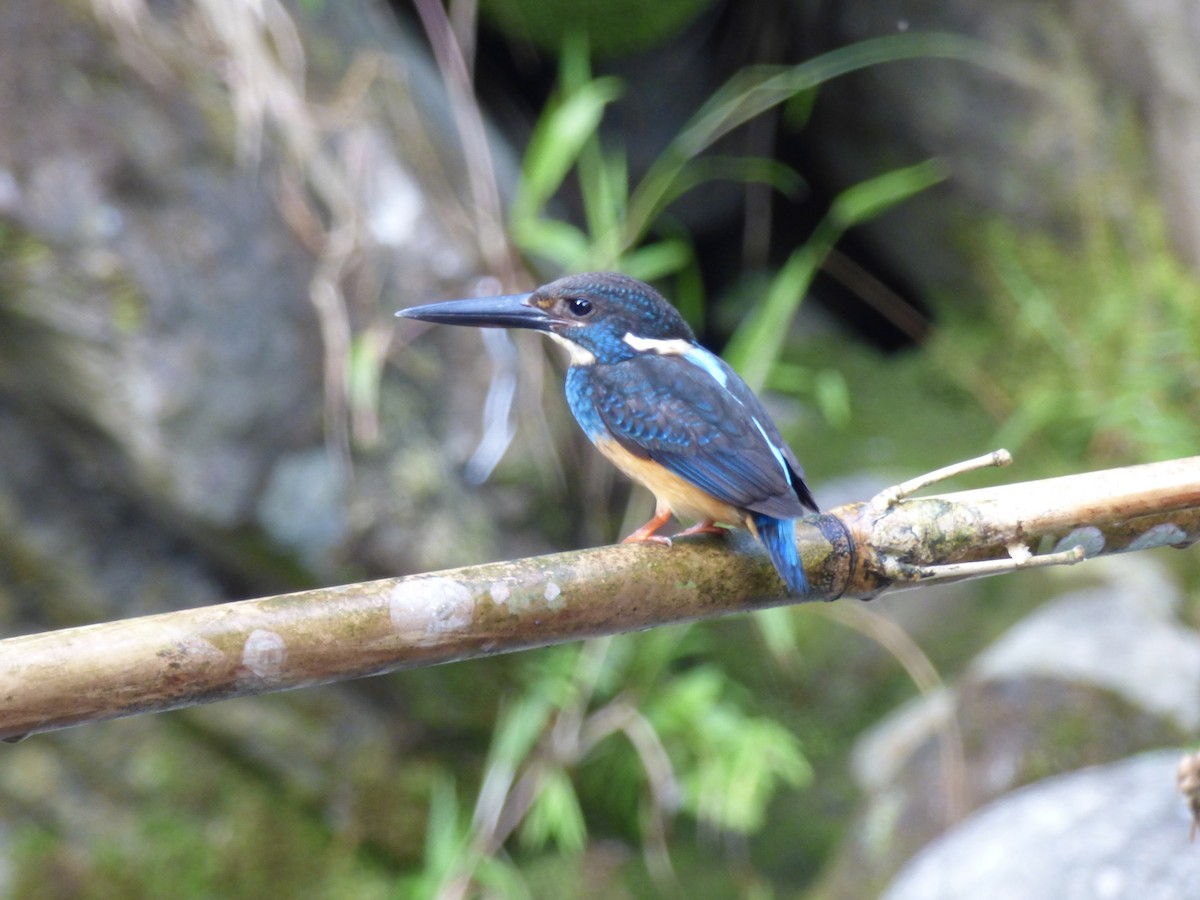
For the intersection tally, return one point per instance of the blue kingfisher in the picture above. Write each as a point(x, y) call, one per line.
point(665, 411)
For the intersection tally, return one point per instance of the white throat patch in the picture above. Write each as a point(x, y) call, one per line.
point(580, 356)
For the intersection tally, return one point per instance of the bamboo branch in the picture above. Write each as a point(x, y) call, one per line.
point(861, 550)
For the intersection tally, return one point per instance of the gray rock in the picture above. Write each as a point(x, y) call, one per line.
point(303, 504)
point(1073, 639)
point(1096, 675)
point(157, 322)
point(1082, 637)
point(1114, 831)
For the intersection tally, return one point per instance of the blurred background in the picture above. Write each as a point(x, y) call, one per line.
point(922, 230)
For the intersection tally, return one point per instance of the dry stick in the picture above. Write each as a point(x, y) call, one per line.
point(96, 672)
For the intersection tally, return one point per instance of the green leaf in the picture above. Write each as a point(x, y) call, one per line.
point(444, 834)
point(556, 142)
point(559, 242)
point(777, 628)
point(518, 729)
point(832, 394)
point(758, 342)
point(877, 195)
point(655, 261)
point(749, 170)
point(754, 90)
point(729, 762)
point(502, 877)
point(555, 815)
point(604, 182)
point(687, 699)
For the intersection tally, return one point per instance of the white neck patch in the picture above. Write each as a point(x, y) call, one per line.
point(697, 356)
point(673, 347)
point(580, 356)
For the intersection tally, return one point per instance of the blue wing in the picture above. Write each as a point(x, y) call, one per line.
point(692, 414)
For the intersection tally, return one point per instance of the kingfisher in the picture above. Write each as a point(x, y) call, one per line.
point(665, 411)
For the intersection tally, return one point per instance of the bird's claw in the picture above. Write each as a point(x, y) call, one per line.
point(635, 538)
point(708, 526)
point(646, 532)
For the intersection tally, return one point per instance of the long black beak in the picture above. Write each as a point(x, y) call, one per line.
point(484, 312)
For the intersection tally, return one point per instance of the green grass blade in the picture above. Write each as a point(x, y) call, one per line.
point(658, 260)
point(758, 341)
point(875, 196)
point(558, 242)
point(557, 141)
point(757, 89)
point(756, 345)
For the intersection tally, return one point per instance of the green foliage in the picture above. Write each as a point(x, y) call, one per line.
point(647, 732)
point(614, 26)
point(567, 126)
point(447, 840)
point(756, 89)
point(1101, 357)
point(555, 816)
point(729, 763)
point(620, 218)
point(756, 346)
point(204, 825)
point(563, 142)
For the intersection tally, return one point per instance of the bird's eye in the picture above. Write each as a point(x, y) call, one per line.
point(579, 306)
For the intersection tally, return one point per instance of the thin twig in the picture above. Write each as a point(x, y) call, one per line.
point(924, 675)
point(888, 498)
point(456, 74)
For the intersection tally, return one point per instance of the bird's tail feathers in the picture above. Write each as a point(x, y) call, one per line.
point(779, 537)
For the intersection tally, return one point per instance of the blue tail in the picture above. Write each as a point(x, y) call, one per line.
point(779, 537)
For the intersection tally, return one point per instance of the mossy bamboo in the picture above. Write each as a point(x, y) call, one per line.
point(160, 662)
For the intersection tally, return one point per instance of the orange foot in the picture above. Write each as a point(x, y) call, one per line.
point(708, 526)
point(646, 532)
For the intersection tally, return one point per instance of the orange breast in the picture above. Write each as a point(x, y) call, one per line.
point(681, 497)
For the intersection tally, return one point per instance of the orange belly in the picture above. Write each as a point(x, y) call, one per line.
point(673, 493)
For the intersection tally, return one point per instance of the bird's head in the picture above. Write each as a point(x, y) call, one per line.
point(599, 316)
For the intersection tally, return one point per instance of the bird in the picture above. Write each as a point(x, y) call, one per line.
point(665, 411)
